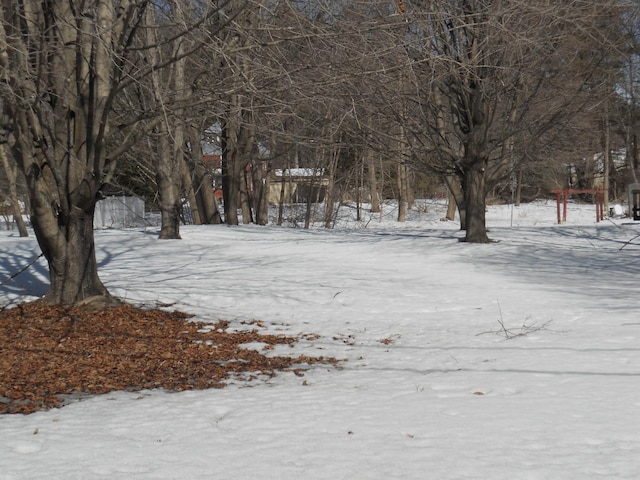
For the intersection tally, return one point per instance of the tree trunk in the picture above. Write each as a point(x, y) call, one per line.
point(263, 218)
point(373, 181)
point(261, 205)
point(12, 177)
point(359, 174)
point(606, 159)
point(519, 180)
point(246, 151)
point(281, 199)
point(169, 157)
point(245, 200)
point(201, 181)
point(402, 192)
point(238, 141)
point(168, 179)
point(632, 156)
point(455, 189)
point(308, 211)
point(451, 208)
point(70, 252)
point(474, 188)
point(230, 173)
point(187, 181)
point(329, 201)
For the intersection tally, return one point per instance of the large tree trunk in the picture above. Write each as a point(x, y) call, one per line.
point(64, 231)
point(474, 188)
point(237, 141)
point(59, 128)
point(70, 252)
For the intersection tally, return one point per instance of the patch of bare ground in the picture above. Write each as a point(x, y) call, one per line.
point(49, 354)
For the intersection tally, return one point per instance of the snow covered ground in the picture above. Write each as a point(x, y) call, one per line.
point(514, 360)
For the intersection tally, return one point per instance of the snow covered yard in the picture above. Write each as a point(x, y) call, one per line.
point(514, 360)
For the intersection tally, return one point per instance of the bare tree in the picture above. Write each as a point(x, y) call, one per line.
point(484, 72)
point(63, 67)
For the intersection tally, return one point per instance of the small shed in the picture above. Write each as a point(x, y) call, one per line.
point(299, 185)
point(119, 212)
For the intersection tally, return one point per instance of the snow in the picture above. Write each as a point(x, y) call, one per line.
point(518, 359)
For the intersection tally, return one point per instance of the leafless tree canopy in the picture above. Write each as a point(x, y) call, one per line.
point(377, 95)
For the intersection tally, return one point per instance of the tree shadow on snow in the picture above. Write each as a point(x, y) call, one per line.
point(581, 260)
point(23, 272)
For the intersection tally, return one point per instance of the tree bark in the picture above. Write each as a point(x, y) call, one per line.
point(519, 180)
point(455, 190)
point(168, 179)
point(260, 203)
point(170, 154)
point(373, 181)
point(12, 177)
point(474, 188)
point(451, 208)
point(330, 198)
point(201, 181)
point(402, 191)
point(70, 254)
point(230, 171)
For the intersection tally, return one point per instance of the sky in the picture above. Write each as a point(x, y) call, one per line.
point(518, 359)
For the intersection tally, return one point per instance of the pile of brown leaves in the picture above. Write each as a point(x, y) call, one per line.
point(51, 354)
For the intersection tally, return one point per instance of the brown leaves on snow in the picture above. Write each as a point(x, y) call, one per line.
point(50, 353)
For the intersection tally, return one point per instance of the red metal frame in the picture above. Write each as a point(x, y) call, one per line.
point(563, 195)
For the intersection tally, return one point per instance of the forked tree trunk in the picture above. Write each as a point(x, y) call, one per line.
point(70, 253)
point(201, 181)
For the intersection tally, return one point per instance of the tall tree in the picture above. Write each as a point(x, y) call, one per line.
point(63, 67)
point(489, 73)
